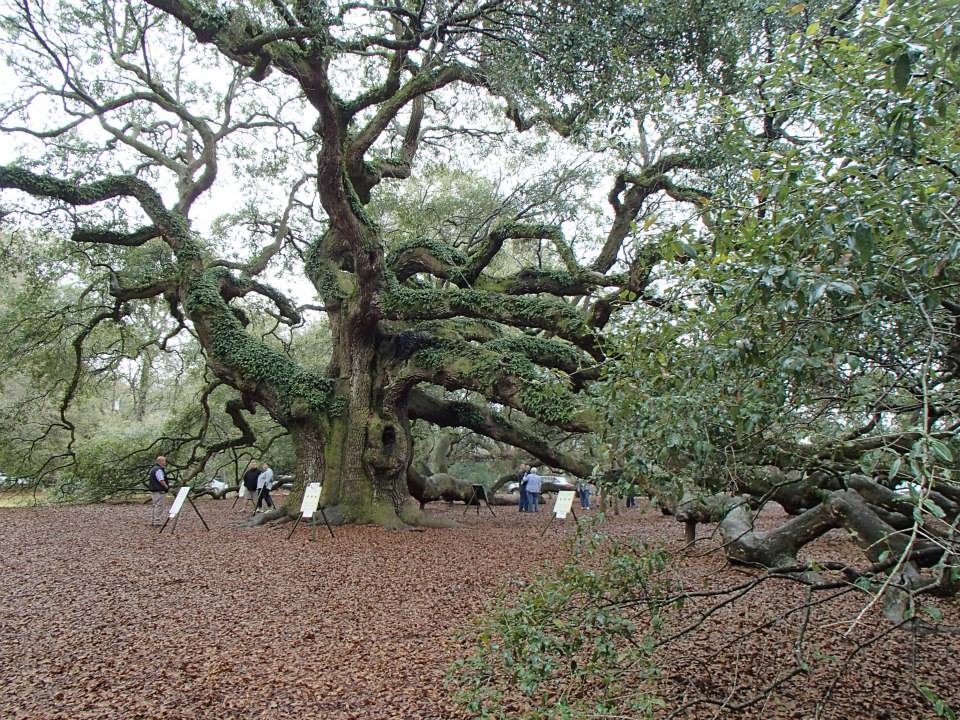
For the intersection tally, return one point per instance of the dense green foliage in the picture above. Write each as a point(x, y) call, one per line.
point(576, 643)
point(819, 306)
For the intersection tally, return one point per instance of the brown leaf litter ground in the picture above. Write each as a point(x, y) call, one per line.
point(102, 617)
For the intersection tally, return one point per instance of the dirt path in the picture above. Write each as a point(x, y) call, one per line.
point(101, 617)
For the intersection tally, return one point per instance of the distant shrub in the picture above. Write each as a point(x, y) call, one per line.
point(108, 465)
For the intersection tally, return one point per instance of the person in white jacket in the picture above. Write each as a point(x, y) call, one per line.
point(264, 483)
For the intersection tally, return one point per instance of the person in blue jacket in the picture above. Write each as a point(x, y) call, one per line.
point(534, 482)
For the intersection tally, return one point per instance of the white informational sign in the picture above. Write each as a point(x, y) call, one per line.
point(179, 501)
point(563, 504)
point(311, 499)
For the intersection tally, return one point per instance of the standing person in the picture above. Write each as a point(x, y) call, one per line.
point(264, 483)
point(524, 504)
point(250, 479)
point(157, 481)
point(585, 490)
point(533, 490)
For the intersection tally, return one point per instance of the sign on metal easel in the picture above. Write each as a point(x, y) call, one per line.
point(562, 506)
point(174, 514)
point(478, 494)
point(308, 508)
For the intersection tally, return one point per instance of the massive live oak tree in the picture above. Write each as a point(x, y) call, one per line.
point(150, 115)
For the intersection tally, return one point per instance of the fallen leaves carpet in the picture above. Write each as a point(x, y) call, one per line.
point(102, 617)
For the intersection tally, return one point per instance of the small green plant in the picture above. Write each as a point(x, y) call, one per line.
point(940, 706)
point(573, 644)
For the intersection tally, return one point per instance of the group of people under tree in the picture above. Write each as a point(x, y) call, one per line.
point(258, 481)
point(529, 488)
point(531, 485)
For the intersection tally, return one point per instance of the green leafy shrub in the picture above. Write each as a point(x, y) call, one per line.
point(573, 644)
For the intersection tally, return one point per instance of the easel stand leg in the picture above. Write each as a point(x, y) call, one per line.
point(197, 511)
point(299, 518)
point(235, 501)
point(547, 525)
point(489, 507)
point(256, 504)
point(164, 525)
point(473, 496)
point(325, 521)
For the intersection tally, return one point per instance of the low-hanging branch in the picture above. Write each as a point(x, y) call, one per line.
point(510, 380)
point(486, 421)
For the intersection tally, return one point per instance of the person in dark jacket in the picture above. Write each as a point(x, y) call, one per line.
point(157, 481)
point(250, 481)
point(522, 487)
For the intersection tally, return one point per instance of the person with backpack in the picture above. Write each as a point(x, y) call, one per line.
point(157, 482)
point(250, 478)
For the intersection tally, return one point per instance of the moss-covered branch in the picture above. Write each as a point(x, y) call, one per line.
point(497, 426)
point(546, 352)
point(531, 281)
point(426, 255)
point(171, 226)
point(140, 292)
point(507, 378)
point(491, 245)
point(419, 85)
point(436, 258)
point(560, 318)
point(248, 364)
point(631, 190)
point(105, 236)
point(238, 287)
